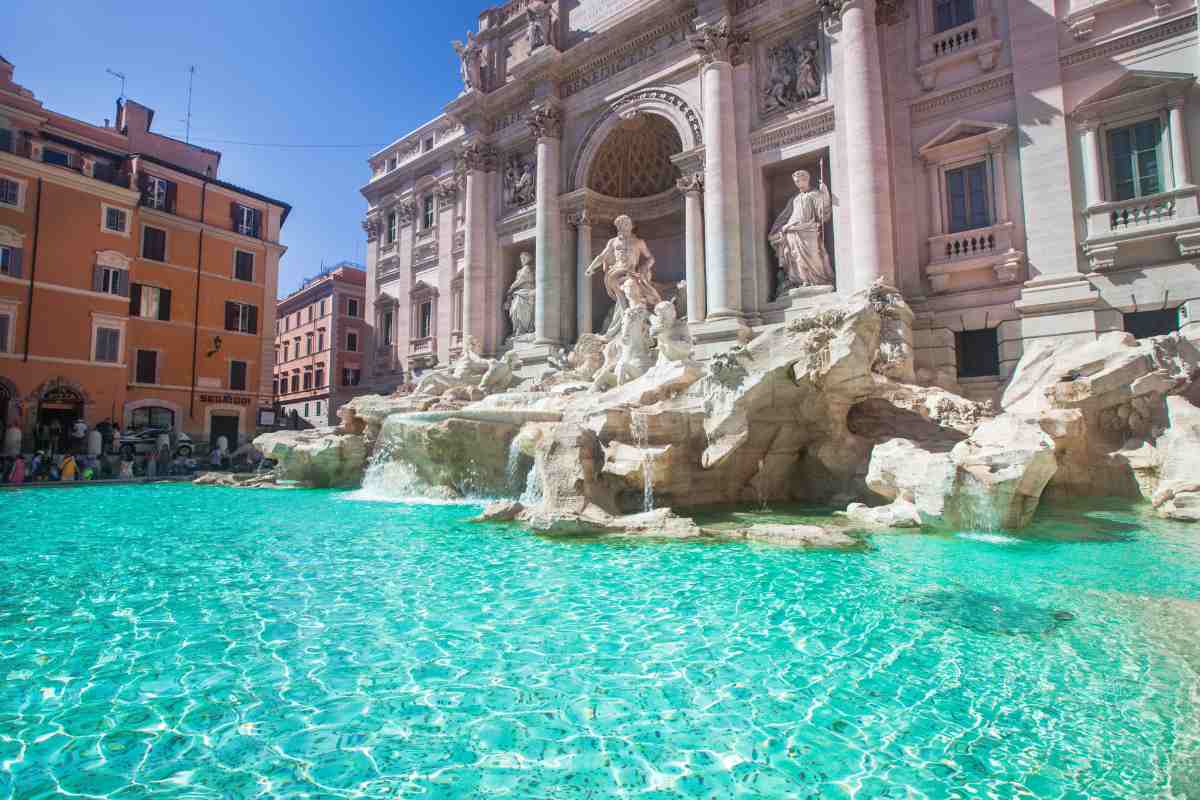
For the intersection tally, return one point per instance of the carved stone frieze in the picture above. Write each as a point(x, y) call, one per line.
point(581, 218)
point(545, 122)
point(691, 182)
point(662, 95)
point(371, 226)
point(520, 180)
point(447, 192)
point(719, 42)
point(406, 211)
point(805, 128)
point(793, 73)
point(425, 253)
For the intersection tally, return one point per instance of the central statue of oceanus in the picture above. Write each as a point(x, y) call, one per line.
point(628, 272)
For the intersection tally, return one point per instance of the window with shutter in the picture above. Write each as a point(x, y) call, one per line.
point(352, 308)
point(10, 192)
point(135, 300)
point(109, 280)
point(164, 305)
point(352, 341)
point(56, 157)
point(237, 375)
point(320, 377)
point(147, 366)
point(6, 140)
point(157, 193)
point(308, 378)
point(6, 260)
point(107, 344)
point(967, 198)
point(154, 243)
point(295, 381)
point(5, 326)
point(116, 220)
point(243, 268)
point(232, 316)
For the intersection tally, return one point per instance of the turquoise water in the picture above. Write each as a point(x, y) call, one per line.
point(181, 641)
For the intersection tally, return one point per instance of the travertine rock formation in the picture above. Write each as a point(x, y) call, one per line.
point(321, 458)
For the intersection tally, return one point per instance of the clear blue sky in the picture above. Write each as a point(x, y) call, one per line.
point(312, 73)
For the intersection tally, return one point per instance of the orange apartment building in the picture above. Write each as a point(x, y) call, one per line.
point(135, 285)
point(321, 340)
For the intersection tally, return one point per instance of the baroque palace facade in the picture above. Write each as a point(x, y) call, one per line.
point(135, 285)
point(1017, 168)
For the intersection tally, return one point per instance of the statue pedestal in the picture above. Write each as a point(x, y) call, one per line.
point(535, 358)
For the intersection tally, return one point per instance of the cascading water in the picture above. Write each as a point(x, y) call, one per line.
point(512, 469)
point(390, 479)
point(641, 435)
point(532, 496)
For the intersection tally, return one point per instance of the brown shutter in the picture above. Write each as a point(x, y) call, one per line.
point(122, 280)
point(135, 300)
point(97, 278)
point(164, 304)
point(14, 262)
point(253, 315)
point(231, 316)
point(171, 192)
point(257, 224)
point(143, 185)
point(233, 216)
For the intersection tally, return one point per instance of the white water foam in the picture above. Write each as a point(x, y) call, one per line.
point(990, 538)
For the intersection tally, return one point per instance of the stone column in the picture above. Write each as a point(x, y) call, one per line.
point(935, 197)
point(1093, 190)
point(475, 160)
point(869, 181)
point(692, 187)
point(1179, 143)
point(718, 45)
point(546, 124)
point(582, 222)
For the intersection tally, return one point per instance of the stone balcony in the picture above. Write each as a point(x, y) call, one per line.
point(952, 255)
point(975, 40)
point(1114, 225)
point(422, 351)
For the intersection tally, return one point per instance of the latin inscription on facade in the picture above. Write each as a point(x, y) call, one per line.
point(590, 13)
point(650, 44)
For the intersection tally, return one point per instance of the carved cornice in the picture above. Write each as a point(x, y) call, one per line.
point(371, 226)
point(719, 42)
point(958, 99)
point(692, 183)
point(425, 254)
point(545, 122)
point(447, 192)
point(477, 156)
point(524, 221)
point(662, 95)
point(806, 128)
point(406, 211)
point(657, 40)
point(1147, 36)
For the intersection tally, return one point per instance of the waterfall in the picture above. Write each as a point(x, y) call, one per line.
point(512, 469)
point(759, 488)
point(388, 479)
point(532, 496)
point(641, 435)
point(976, 507)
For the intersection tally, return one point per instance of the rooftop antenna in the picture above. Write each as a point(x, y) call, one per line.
point(187, 136)
point(120, 75)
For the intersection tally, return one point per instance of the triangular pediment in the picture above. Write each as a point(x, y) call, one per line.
point(964, 129)
point(1133, 85)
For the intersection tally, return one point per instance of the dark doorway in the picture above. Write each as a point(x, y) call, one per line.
point(1144, 324)
point(57, 411)
point(227, 426)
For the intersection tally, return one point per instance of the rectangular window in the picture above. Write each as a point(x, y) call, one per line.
point(285, 351)
point(6, 140)
point(295, 381)
point(320, 379)
point(308, 343)
point(306, 409)
point(952, 13)
point(296, 346)
point(350, 377)
point(108, 280)
point(308, 378)
point(978, 353)
point(1144, 324)
point(320, 341)
point(154, 243)
point(392, 227)
point(243, 265)
point(108, 342)
point(322, 308)
point(352, 341)
point(237, 375)
point(240, 317)
point(425, 321)
point(149, 302)
point(116, 220)
point(246, 220)
point(5, 327)
point(308, 314)
point(387, 328)
point(56, 157)
point(351, 308)
point(391, 164)
point(318, 408)
point(158, 193)
point(1133, 159)
point(427, 212)
point(427, 144)
point(147, 367)
point(10, 261)
point(967, 198)
point(10, 192)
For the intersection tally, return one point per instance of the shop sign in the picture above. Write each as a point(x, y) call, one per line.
point(231, 399)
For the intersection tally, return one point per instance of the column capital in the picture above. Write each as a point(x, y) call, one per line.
point(406, 211)
point(1088, 124)
point(692, 183)
point(887, 12)
point(447, 191)
point(545, 121)
point(371, 226)
point(581, 219)
point(719, 42)
point(477, 157)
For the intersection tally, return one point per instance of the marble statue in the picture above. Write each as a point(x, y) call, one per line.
point(521, 297)
point(520, 185)
point(627, 356)
point(467, 370)
point(798, 236)
point(501, 371)
point(626, 259)
point(792, 76)
point(539, 32)
point(470, 56)
point(671, 336)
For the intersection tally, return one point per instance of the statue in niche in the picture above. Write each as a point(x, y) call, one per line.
point(798, 236)
point(470, 56)
point(520, 186)
point(521, 299)
point(539, 31)
point(628, 272)
point(792, 76)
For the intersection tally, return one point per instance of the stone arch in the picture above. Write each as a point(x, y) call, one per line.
point(659, 102)
point(60, 383)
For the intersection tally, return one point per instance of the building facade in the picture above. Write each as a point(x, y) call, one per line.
point(1020, 169)
point(321, 341)
point(135, 285)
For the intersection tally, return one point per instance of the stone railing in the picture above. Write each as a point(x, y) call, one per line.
point(1114, 224)
point(972, 40)
point(427, 344)
point(965, 245)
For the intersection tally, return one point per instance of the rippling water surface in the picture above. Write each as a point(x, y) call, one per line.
point(182, 641)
